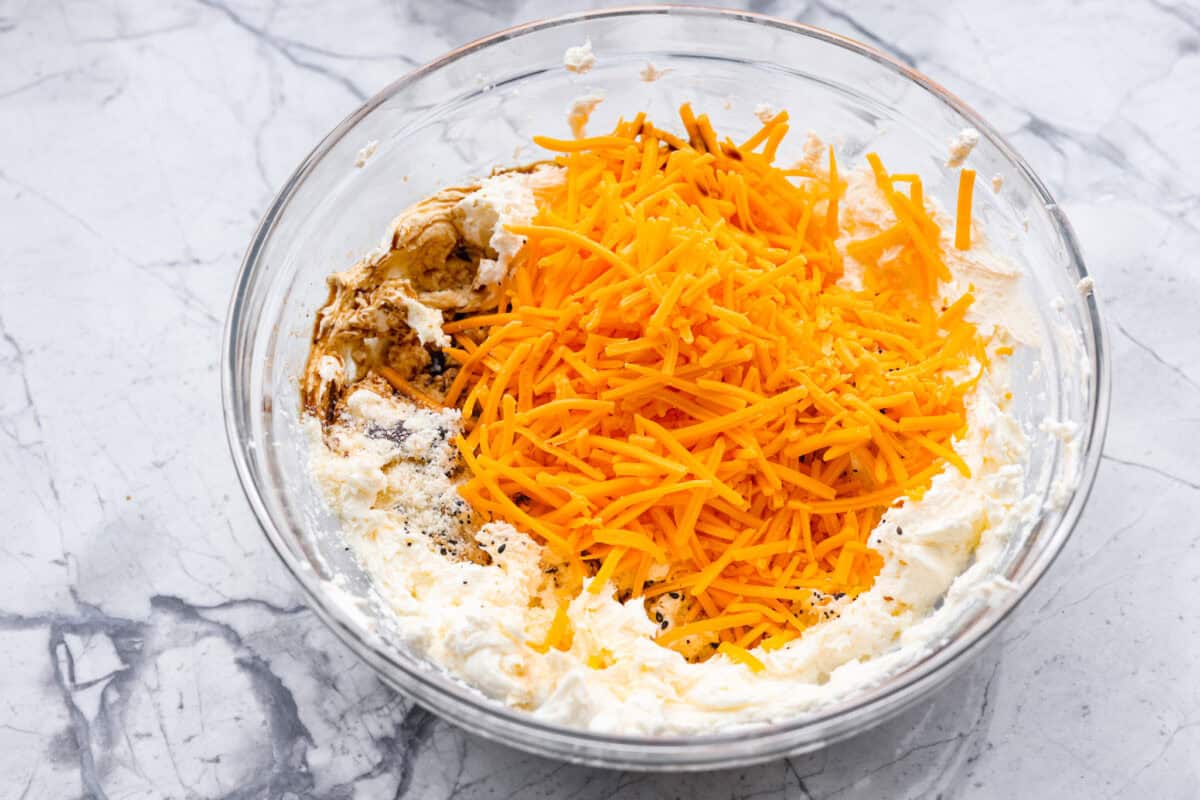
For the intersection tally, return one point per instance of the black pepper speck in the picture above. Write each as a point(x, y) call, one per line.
point(397, 434)
point(437, 363)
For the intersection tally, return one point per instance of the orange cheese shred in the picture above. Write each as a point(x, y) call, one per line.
point(559, 634)
point(962, 223)
point(677, 378)
point(741, 656)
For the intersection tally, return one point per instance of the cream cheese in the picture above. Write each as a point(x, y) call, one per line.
point(502, 200)
point(961, 147)
point(579, 59)
point(580, 112)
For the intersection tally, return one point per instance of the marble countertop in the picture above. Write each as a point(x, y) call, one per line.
point(151, 644)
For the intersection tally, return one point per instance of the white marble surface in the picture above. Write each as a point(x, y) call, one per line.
point(152, 646)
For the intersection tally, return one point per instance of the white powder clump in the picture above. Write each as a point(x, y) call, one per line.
point(961, 146)
point(580, 113)
point(364, 155)
point(387, 454)
point(579, 59)
point(1086, 285)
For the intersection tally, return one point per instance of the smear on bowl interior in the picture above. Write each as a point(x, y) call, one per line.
point(659, 435)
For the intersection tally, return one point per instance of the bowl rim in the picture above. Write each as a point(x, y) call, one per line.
point(925, 673)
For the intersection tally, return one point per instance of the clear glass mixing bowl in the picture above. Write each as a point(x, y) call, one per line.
point(477, 108)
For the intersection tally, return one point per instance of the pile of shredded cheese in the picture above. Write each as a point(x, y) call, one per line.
point(678, 386)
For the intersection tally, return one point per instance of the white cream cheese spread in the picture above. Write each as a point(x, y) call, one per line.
point(579, 59)
point(961, 147)
point(502, 200)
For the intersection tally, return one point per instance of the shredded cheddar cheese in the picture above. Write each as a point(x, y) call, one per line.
point(741, 656)
point(962, 226)
point(559, 634)
point(676, 378)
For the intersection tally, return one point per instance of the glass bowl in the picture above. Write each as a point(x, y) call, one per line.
point(477, 108)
